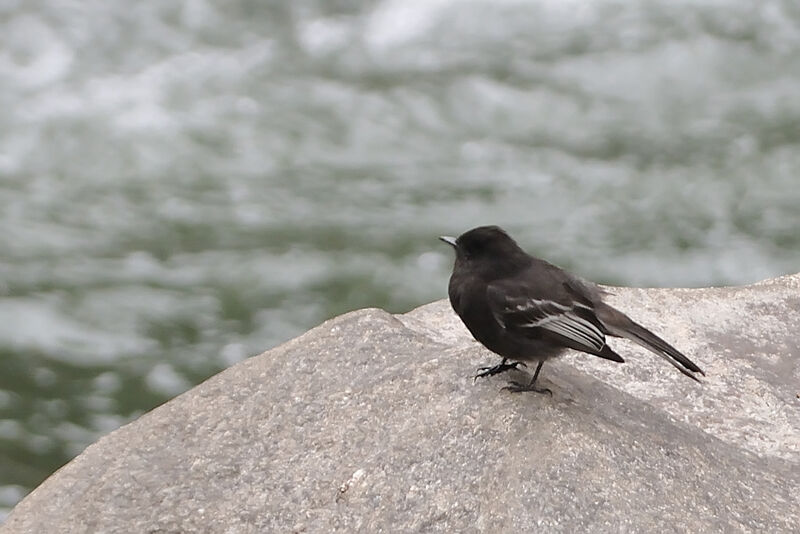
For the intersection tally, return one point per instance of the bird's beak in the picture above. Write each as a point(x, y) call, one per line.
point(449, 240)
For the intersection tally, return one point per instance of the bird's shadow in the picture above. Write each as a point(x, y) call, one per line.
point(562, 389)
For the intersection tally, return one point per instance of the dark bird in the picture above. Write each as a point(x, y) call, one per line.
point(526, 309)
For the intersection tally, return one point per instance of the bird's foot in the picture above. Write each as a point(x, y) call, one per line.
point(518, 387)
point(497, 369)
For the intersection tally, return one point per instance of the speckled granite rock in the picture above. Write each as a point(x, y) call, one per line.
point(371, 422)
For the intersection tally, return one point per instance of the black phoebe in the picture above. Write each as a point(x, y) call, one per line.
point(526, 309)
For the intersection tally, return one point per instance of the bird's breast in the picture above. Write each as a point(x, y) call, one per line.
point(469, 301)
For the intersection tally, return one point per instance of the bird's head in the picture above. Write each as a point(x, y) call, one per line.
point(486, 245)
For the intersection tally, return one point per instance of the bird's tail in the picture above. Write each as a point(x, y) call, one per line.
point(620, 325)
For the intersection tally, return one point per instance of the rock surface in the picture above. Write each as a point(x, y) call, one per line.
point(371, 422)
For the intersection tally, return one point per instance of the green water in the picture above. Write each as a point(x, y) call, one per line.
point(186, 184)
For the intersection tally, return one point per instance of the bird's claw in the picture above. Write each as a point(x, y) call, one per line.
point(518, 387)
point(496, 369)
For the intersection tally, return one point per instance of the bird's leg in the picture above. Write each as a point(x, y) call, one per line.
point(502, 367)
point(517, 387)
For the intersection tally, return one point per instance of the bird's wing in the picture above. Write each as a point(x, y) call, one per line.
point(518, 311)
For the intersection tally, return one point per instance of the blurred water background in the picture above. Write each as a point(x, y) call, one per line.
point(186, 183)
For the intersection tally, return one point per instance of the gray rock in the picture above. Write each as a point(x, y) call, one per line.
point(371, 422)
